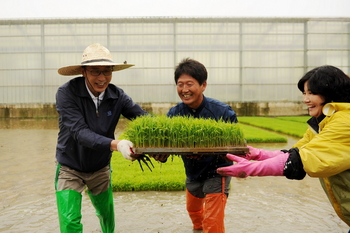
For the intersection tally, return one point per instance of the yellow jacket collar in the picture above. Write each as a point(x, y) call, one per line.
point(330, 108)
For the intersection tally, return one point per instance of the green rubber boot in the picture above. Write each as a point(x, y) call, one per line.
point(69, 211)
point(104, 206)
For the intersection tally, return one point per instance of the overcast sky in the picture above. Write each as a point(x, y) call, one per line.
point(19, 9)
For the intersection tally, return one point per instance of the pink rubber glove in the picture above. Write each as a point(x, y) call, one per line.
point(260, 154)
point(243, 168)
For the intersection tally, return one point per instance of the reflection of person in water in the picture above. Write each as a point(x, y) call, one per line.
point(323, 152)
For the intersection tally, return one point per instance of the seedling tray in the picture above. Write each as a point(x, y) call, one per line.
point(190, 151)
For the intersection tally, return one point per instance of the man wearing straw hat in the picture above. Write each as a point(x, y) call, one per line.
point(89, 108)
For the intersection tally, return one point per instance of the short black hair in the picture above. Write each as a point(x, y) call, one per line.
point(328, 81)
point(192, 68)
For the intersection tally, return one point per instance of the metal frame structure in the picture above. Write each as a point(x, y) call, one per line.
point(248, 59)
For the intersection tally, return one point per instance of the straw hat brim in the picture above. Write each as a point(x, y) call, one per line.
point(76, 69)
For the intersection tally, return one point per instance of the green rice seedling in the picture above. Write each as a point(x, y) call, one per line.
point(301, 119)
point(127, 176)
point(185, 132)
point(292, 128)
point(257, 135)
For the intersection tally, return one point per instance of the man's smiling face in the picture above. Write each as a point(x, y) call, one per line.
point(190, 91)
point(97, 78)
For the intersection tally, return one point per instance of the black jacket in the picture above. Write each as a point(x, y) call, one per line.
point(84, 138)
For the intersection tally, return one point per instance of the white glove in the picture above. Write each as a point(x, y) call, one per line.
point(124, 147)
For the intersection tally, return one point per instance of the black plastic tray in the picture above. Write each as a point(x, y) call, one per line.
point(191, 151)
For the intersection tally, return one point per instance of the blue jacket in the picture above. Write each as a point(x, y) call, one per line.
point(84, 138)
point(205, 167)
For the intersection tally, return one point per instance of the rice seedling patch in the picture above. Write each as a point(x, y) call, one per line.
point(257, 135)
point(170, 176)
point(293, 128)
point(183, 132)
point(301, 119)
point(127, 175)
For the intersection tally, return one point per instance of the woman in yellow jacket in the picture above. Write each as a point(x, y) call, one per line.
point(324, 150)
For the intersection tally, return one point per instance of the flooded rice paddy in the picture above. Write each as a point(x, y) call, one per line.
point(258, 204)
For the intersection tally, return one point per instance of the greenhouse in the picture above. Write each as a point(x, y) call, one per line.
point(249, 60)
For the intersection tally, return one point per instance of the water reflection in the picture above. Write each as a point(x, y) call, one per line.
point(264, 204)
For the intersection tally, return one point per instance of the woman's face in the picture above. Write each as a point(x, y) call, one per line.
point(313, 102)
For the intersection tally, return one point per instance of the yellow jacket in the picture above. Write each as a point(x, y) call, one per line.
point(326, 154)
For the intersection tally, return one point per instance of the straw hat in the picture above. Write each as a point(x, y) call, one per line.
point(94, 55)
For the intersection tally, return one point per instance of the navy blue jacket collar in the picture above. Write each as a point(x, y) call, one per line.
point(201, 106)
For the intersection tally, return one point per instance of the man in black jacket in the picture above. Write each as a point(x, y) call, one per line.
point(89, 109)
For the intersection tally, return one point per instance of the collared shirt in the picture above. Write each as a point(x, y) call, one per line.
point(97, 100)
point(209, 108)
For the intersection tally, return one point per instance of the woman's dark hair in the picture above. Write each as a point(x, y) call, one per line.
point(329, 82)
point(192, 68)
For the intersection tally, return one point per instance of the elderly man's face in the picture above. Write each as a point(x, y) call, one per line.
point(97, 78)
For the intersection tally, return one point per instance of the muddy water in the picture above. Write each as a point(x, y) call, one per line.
point(265, 204)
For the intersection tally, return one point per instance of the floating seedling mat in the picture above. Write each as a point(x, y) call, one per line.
point(184, 136)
